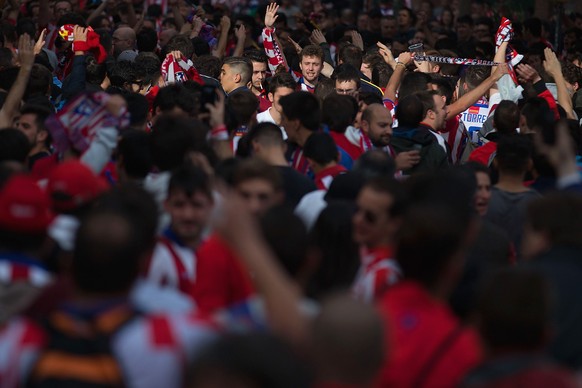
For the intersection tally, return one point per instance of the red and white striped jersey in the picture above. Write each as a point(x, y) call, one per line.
point(456, 136)
point(378, 271)
point(172, 265)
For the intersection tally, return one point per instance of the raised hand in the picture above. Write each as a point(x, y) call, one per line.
point(224, 23)
point(79, 34)
point(317, 37)
point(40, 42)
point(386, 54)
point(357, 39)
point(526, 73)
point(551, 64)
point(240, 33)
point(295, 44)
point(271, 15)
point(25, 51)
point(405, 58)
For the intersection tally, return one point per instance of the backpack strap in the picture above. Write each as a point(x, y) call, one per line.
point(437, 355)
point(79, 352)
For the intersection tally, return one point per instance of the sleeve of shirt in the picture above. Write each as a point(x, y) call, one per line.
point(100, 149)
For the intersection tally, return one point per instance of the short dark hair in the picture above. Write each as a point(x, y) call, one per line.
point(427, 100)
point(266, 133)
point(95, 72)
point(176, 95)
point(190, 180)
point(311, 50)
point(475, 75)
point(240, 108)
point(506, 117)
point(122, 73)
point(172, 137)
point(281, 80)
point(256, 56)
point(146, 40)
point(339, 111)
point(410, 111)
point(352, 55)
point(513, 153)
point(412, 83)
point(254, 168)
point(134, 149)
point(180, 43)
point(375, 163)
point(39, 81)
point(303, 106)
point(346, 72)
point(208, 65)
point(243, 66)
point(514, 310)
point(321, 148)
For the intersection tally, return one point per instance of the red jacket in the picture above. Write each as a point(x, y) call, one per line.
point(426, 344)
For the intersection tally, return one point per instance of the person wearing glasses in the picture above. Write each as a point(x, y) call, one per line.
point(379, 209)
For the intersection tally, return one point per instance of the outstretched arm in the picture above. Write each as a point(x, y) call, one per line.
point(554, 68)
point(474, 95)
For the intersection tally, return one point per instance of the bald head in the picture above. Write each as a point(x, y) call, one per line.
point(377, 124)
point(123, 39)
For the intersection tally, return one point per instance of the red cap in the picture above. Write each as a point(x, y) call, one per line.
point(24, 206)
point(72, 184)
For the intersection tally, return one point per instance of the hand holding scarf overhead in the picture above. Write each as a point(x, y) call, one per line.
point(176, 68)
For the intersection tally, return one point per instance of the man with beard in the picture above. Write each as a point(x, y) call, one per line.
point(377, 126)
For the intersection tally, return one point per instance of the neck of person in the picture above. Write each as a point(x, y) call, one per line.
point(308, 83)
point(37, 148)
point(511, 182)
point(317, 168)
point(275, 115)
point(257, 92)
point(302, 136)
point(274, 156)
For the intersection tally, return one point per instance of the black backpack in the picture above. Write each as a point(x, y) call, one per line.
point(78, 352)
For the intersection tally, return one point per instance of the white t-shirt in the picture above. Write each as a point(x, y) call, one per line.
point(265, 117)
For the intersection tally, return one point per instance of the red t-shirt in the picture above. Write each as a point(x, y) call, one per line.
point(426, 345)
point(220, 279)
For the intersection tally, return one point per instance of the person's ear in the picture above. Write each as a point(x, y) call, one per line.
point(436, 68)
point(41, 136)
point(271, 98)
point(237, 78)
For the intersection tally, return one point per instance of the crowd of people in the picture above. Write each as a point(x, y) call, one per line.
point(289, 194)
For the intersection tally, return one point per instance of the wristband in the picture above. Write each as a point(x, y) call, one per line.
point(401, 64)
point(219, 133)
point(81, 46)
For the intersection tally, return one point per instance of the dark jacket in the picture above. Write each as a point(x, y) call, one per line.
point(432, 155)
